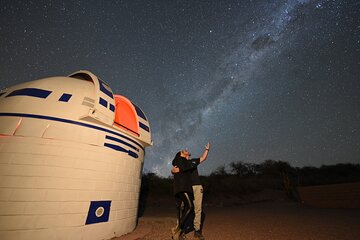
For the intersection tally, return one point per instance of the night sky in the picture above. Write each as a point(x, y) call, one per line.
point(258, 79)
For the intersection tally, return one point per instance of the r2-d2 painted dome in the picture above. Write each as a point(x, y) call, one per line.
point(71, 155)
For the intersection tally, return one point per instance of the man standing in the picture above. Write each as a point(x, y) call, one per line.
point(197, 190)
point(198, 196)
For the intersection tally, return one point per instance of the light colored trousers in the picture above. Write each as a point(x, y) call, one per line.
point(198, 197)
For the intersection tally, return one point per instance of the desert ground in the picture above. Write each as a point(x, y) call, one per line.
point(266, 220)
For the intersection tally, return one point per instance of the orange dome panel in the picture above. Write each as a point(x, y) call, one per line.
point(125, 115)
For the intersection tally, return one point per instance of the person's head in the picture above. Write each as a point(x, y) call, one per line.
point(185, 153)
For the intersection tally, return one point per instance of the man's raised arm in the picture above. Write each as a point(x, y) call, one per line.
point(206, 152)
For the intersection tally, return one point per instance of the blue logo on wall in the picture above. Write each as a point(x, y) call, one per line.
point(99, 211)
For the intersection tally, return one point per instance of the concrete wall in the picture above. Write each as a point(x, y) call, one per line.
point(47, 186)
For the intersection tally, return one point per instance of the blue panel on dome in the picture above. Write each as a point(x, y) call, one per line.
point(65, 97)
point(103, 102)
point(112, 107)
point(99, 211)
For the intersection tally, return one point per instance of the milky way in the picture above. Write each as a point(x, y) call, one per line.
point(258, 79)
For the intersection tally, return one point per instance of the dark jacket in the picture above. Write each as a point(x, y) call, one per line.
point(182, 180)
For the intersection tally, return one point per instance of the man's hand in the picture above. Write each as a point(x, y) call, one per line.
point(175, 170)
point(207, 146)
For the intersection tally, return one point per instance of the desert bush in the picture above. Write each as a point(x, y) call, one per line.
point(153, 183)
point(329, 174)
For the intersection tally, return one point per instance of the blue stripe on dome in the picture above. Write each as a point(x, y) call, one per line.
point(70, 122)
point(121, 149)
point(30, 92)
point(139, 112)
point(143, 126)
point(105, 90)
point(121, 141)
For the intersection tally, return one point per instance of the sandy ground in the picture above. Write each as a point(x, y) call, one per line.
point(278, 220)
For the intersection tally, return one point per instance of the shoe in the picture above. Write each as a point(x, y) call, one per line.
point(198, 235)
point(174, 230)
point(176, 234)
point(182, 236)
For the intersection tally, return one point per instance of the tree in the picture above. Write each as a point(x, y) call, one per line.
point(242, 169)
point(219, 171)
